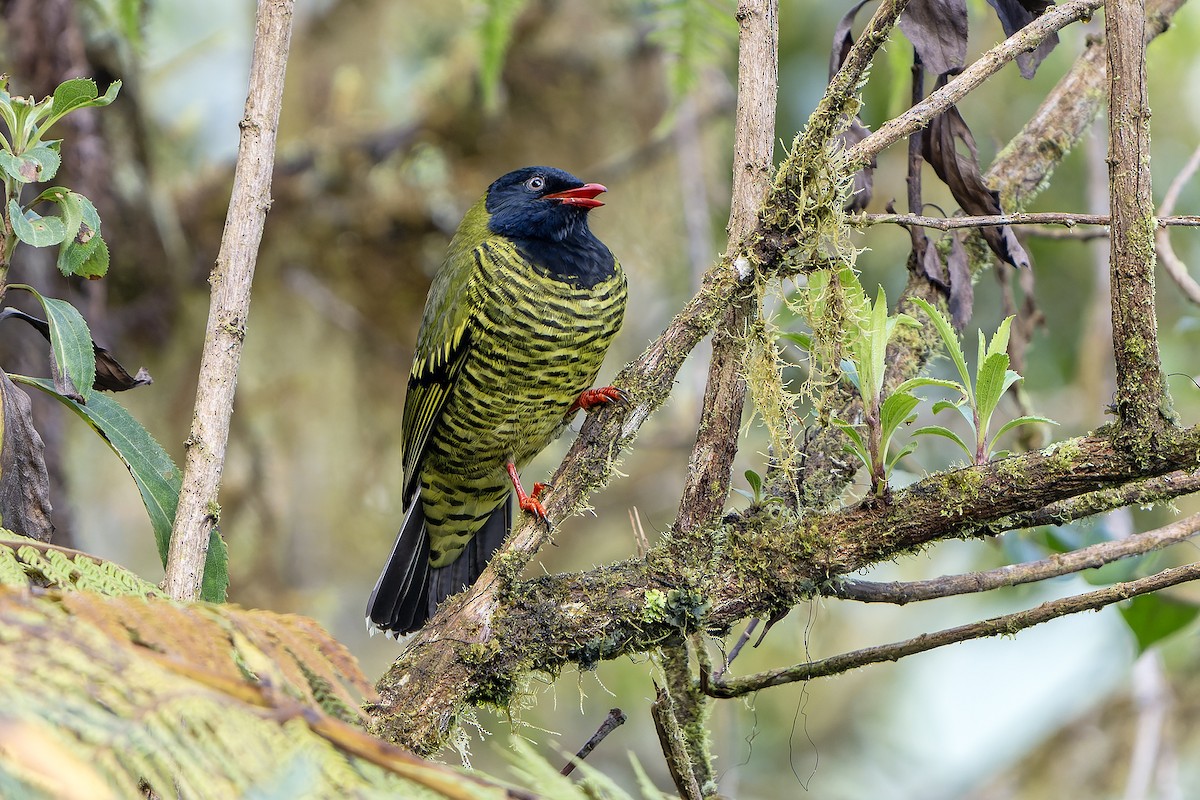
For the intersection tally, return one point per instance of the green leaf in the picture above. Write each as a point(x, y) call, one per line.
point(896, 410)
point(945, 433)
point(1153, 617)
point(989, 388)
point(72, 353)
point(950, 340)
point(999, 343)
point(157, 478)
point(942, 405)
point(893, 458)
point(34, 229)
point(39, 163)
point(87, 260)
point(858, 446)
point(801, 340)
point(872, 365)
point(916, 383)
point(79, 93)
point(755, 482)
point(214, 586)
point(1028, 419)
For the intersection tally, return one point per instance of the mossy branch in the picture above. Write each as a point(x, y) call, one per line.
point(1143, 404)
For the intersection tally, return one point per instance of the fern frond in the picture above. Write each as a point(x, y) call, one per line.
point(111, 696)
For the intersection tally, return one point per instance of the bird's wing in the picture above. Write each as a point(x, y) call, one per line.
point(433, 377)
point(443, 344)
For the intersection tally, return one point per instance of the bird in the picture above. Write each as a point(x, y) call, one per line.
point(516, 325)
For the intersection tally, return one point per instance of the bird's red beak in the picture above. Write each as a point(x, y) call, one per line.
point(584, 196)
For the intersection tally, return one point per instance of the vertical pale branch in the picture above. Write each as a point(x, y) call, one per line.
point(230, 302)
point(725, 394)
point(1142, 403)
point(754, 146)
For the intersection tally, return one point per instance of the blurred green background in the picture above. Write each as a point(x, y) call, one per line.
point(383, 145)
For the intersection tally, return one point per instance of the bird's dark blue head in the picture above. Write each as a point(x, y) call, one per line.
point(541, 203)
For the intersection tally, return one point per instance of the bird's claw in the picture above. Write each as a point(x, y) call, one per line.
point(595, 398)
point(535, 507)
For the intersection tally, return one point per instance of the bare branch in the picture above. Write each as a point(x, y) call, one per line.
point(1174, 266)
point(615, 719)
point(1005, 625)
point(1097, 555)
point(230, 305)
point(1066, 219)
point(707, 483)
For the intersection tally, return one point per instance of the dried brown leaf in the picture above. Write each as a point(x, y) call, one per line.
point(110, 375)
point(961, 173)
point(1016, 14)
point(938, 32)
point(24, 482)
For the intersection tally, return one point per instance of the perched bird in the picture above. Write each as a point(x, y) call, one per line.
point(514, 330)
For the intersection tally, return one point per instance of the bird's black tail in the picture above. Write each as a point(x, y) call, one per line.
point(408, 590)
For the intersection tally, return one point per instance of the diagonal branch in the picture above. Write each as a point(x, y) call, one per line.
point(1175, 267)
point(1097, 555)
point(917, 117)
point(1005, 625)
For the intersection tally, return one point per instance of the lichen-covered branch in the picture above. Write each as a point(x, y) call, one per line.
point(1097, 555)
point(1023, 168)
point(756, 563)
point(707, 484)
point(1142, 402)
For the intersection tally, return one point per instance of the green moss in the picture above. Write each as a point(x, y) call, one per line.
point(655, 607)
point(959, 490)
point(1063, 455)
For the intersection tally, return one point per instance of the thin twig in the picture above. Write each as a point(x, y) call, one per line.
point(738, 645)
point(674, 746)
point(230, 305)
point(616, 718)
point(1097, 555)
point(1032, 218)
point(1174, 266)
point(1005, 625)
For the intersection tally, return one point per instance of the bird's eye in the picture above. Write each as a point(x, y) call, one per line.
point(536, 183)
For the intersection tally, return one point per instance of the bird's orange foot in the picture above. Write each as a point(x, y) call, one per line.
point(528, 502)
point(594, 398)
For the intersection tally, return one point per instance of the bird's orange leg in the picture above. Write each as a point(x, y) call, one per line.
point(594, 398)
point(528, 502)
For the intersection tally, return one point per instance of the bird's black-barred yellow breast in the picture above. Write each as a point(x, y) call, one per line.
point(537, 334)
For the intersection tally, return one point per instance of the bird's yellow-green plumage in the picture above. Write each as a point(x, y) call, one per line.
point(515, 329)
